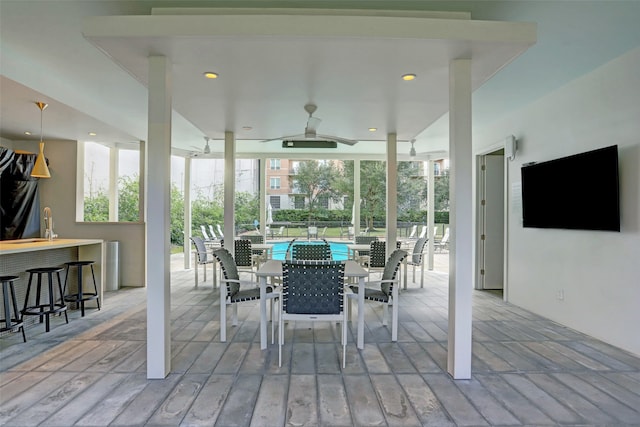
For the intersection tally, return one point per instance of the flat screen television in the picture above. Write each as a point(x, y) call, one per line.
point(575, 192)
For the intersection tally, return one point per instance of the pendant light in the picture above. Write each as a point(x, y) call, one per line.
point(40, 169)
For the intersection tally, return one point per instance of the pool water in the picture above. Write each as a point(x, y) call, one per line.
point(338, 250)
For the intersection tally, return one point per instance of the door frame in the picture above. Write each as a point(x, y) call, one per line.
point(479, 155)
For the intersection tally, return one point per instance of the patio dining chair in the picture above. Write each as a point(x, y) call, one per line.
point(244, 256)
point(443, 244)
point(236, 291)
point(363, 256)
point(313, 291)
point(201, 257)
point(385, 290)
point(311, 251)
point(417, 259)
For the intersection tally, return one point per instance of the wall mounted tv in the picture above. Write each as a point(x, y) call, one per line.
point(575, 192)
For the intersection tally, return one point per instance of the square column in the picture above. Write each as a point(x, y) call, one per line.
point(460, 220)
point(158, 223)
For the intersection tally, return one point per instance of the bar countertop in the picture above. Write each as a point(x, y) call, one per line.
point(37, 244)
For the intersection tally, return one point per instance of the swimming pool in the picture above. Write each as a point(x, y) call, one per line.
point(338, 250)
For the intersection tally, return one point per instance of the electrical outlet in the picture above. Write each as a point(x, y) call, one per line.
point(560, 295)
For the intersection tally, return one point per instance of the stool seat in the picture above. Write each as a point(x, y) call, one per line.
point(10, 322)
point(80, 296)
point(54, 305)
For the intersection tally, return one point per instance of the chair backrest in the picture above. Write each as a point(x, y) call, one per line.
point(201, 249)
point(377, 253)
point(242, 252)
point(391, 269)
point(255, 238)
point(418, 249)
point(445, 238)
point(229, 270)
point(312, 230)
point(220, 233)
point(414, 230)
point(280, 231)
point(365, 240)
point(212, 233)
point(310, 287)
point(311, 251)
point(324, 230)
point(423, 232)
point(205, 236)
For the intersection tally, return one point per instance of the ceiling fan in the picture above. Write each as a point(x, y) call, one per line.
point(205, 150)
point(310, 131)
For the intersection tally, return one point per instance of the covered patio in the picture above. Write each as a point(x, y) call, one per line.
point(526, 369)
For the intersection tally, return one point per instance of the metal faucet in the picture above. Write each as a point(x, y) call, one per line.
point(48, 225)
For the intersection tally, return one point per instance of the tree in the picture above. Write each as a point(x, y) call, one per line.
point(315, 180)
point(177, 216)
point(129, 198)
point(96, 207)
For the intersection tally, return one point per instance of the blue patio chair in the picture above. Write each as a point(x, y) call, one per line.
point(313, 291)
point(233, 293)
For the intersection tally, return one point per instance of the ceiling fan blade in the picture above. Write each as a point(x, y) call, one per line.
point(339, 139)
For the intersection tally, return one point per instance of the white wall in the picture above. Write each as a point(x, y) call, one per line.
point(599, 272)
point(59, 193)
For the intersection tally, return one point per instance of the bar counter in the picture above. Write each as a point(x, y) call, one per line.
point(16, 256)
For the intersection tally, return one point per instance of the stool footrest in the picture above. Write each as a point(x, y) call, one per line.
point(39, 310)
point(76, 297)
point(15, 325)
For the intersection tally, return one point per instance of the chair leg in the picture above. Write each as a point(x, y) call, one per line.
point(234, 315)
point(385, 314)
point(280, 338)
point(422, 274)
point(223, 317)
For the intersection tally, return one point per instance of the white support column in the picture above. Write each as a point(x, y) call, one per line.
point(262, 194)
point(113, 184)
point(186, 182)
point(356, 198)
point(392, 192)
point(430, 212)
point(142, 184)
point(229, 189)
point(80, 182)
point(158, 167)
point(460, 220)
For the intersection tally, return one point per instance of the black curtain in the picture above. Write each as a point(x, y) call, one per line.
point(19, 198)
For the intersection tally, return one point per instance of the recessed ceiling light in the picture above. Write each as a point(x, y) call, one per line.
point(92, 134)
point(373, 129)
point(26, 132)
point(408, 77)
point(211, 75)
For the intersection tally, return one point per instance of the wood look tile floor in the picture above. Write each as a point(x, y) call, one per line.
point(527, 370)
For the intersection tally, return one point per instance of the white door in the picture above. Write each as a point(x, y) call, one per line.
point(491, 238)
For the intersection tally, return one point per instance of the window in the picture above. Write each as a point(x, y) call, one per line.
point(323, 202)
point(436, 169)
point(274, 164)
point(294, 167)
point(298, 202)
point(108, 191)
point(275, 202)
point(274, 183)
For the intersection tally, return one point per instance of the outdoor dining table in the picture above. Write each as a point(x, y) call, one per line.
point(273, 268)
point(352, 249)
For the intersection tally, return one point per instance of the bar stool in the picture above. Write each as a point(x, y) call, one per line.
point(10, 323)
point(55, 305)
point(81, 296)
